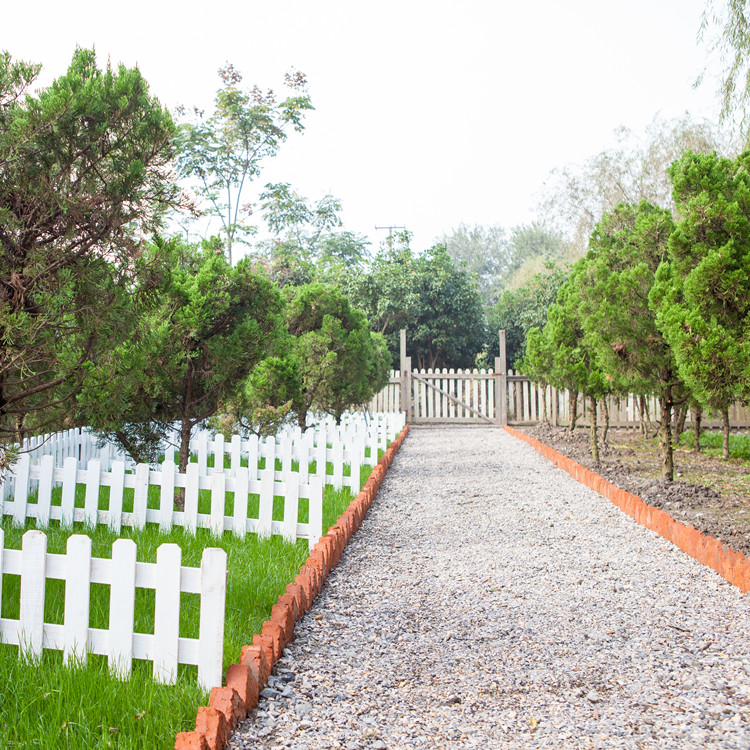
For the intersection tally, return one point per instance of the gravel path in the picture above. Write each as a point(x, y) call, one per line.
point(491, 601)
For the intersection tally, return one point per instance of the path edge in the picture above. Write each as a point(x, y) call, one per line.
point(706, 549)
point(229, 705)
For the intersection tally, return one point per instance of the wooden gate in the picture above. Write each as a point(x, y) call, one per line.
point(454, 396)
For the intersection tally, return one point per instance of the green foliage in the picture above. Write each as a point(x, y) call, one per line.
point(739, 445)
point(562, 347)
point(519, 310)
point(308, 242)
point(627, 247)
point(497, 259)
point(703, 292)
point(222, 153)
point(538, 359)
point(341, 362)
point(438, 304)
point(83, 174)
point(271, 396)
point(190, 354)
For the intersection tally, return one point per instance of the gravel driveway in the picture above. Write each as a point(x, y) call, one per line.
point(491, 601)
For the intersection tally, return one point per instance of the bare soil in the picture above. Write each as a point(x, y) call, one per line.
point(709, 493)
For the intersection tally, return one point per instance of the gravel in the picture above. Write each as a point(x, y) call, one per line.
point(490, 601)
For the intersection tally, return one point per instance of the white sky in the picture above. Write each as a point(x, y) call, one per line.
point(428, 113)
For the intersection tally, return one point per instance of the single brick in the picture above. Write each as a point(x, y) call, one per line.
point(284, 617)
point(256, 658)
point(265, 643)
point(298, 592)
point(290, 601)
point(242, 678)
point(212, 724)
point(190, 741)
point(227, 700)
point(272, 631)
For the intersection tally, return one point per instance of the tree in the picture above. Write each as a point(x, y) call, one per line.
point(482, 252)
point(190, 355)
point(496, 258)
point(575, 198)
point(538, 360)
point(341, 362)
point(563, 353)
point(703, 294)
point(224, 152)
point(626, 249)
point(84, 172)
point(519, 310)
point(308, 242)
point(732, 46)
point(426, 294)
point(271, 395)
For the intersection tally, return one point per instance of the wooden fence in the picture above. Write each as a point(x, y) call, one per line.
point(447, 395)
point(119, 642)
point(526, 401)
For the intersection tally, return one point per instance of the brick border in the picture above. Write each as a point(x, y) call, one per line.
point(229, 705)
point(706, 549)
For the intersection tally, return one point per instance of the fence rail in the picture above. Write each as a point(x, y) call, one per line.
point(120, 643)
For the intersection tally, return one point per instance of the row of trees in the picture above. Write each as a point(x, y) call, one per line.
point(660, 304)
point(101, 325)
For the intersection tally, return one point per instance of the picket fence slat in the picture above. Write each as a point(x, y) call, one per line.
point(122, 607)
point(77, 588)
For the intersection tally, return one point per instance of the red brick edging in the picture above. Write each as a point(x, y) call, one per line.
point(731, 565)
point(229, 705)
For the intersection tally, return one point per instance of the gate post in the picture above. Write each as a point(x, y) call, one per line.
point(501, 383)
point(405, 369)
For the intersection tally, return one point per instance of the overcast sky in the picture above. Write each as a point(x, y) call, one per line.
point(428, 113)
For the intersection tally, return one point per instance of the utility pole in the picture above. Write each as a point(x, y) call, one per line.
point(390, 234)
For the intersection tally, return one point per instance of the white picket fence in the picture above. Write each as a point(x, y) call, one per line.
point(211, 452)
point(42, 468)
point(374, 433)
point(120, 643)
point(167, 478)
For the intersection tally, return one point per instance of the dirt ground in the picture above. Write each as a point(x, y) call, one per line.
point(710, 494)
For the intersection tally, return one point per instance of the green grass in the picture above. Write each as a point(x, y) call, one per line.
point(49, 705)
point(739, 445)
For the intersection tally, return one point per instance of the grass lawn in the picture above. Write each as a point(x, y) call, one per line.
point(49, 705)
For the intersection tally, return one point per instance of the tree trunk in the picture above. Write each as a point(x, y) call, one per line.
point(696, 417)
point(302, 420)
point(642, 412)
point(665, 434)
point(605, 411)
point(678, 422)
point(593, 442)
point(19, 428)
point(186, 428)
point(130, 447)
point(725, 433)
point(545, 419)
point(572, 409)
